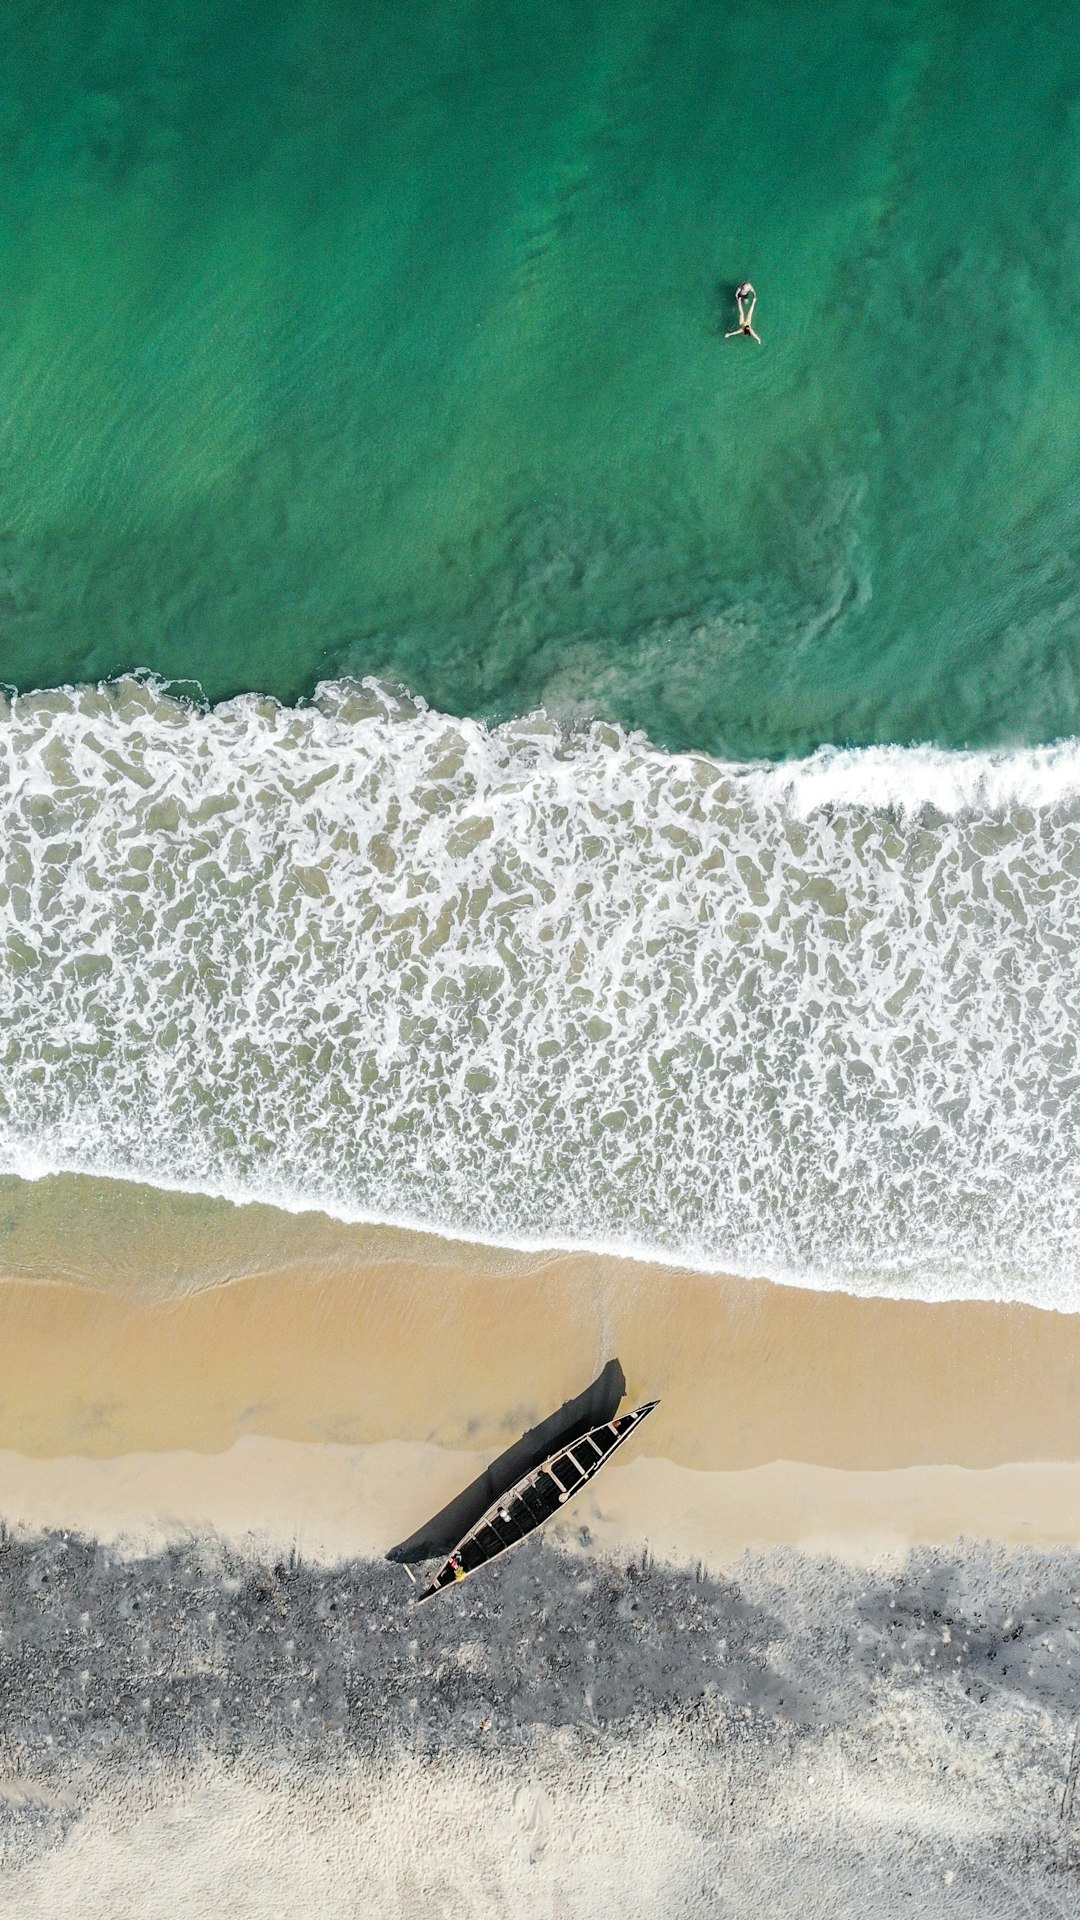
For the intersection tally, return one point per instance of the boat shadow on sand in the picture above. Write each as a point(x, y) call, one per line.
point(528, 1484)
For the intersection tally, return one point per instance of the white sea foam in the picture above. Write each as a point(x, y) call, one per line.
point(818, 1021)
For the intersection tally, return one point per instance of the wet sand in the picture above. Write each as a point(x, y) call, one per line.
point(446, 1352)
point(340, 1401)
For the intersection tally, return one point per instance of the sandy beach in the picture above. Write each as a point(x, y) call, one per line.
point(349, 1381)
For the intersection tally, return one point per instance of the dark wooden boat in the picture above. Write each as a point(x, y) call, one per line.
point(534, 1499)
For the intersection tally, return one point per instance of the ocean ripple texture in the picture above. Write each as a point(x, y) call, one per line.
point(814, 1020)
point(385, 337)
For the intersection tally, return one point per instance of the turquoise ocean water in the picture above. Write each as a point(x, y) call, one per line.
point(381, 338)
point(623, 787)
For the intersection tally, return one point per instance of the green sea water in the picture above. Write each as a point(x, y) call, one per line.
point(345, 338)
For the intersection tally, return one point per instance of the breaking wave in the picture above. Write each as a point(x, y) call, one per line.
point(550, 987)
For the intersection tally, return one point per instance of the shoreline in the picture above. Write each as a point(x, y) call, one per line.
point(345, 1399)
point(253, 1234)
point(465, 1356)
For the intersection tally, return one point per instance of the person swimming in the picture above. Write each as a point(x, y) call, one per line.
point(746, 313)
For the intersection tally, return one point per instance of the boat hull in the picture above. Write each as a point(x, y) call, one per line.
point(535, 1499)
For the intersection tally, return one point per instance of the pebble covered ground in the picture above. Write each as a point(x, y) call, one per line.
point(809, 1735)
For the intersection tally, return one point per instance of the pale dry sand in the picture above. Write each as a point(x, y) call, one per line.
point(337, 1403)
point(330, 1503)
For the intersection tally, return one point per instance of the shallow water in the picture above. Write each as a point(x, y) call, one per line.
point(351, 338)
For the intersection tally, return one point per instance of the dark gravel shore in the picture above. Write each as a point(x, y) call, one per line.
point(790, 1697)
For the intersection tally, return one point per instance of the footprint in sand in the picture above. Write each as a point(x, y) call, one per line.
point(531, 1817)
